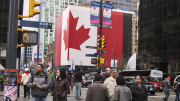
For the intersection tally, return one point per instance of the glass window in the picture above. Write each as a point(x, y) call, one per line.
point(108, 2)
point(57, 9)
point(152, 79)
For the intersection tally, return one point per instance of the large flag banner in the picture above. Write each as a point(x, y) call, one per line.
point(107, 16)
point(95, 14)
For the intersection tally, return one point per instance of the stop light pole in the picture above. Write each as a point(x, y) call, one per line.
point(100, 33)
point(12, 35)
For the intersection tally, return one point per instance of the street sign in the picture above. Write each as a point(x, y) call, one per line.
point(92, 47)
point(29, 38)
point(95, 54)
point(35, 24)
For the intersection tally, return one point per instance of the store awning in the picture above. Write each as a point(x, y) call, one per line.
point(1, 68)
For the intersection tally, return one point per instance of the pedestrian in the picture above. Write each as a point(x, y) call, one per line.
point(166, 86)
point(39, 83)
point(24, 80)
point(61, 87)
point(78, 79)
point(52, 77)
point(97, 91)
point(2, 80)
point(69, 79)
point(19, 81)
point(110, 83)
point(72, 77)
point(138, 90)
point(176, 90)
point(121, 91)
point(105, 76)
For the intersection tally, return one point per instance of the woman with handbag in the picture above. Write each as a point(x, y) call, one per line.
point(61, 87)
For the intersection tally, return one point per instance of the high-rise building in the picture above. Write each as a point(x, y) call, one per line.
point(159, 22)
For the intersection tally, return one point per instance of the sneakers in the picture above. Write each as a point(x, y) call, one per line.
point(79, 99)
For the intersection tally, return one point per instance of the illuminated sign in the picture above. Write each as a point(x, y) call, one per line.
point(29, 37)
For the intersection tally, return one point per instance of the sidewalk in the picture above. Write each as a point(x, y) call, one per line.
point(70, 97)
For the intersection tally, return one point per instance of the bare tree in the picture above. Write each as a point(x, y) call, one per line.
point(122, 63)
point(174, 66)
point(147, 60)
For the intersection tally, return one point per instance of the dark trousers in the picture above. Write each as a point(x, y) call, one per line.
point(18, 90)
point(26, 90)
point(167, 93)
point(2, 85)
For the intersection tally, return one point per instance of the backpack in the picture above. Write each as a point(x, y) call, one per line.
point(32, 76)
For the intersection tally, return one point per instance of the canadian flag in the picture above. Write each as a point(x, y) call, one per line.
point(74, 33)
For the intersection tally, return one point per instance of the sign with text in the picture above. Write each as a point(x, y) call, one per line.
point(95, 14)
point(107, 16)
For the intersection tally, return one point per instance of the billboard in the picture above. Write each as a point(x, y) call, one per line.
point(95, 14)
point(107, 15)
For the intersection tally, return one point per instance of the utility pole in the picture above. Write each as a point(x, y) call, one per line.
point(100, 34)
point(12, 35)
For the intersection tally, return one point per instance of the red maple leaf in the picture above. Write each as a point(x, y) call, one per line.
point(74, 38)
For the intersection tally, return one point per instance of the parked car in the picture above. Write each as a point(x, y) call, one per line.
point(157, 83)
point(86, 81)
point(151, 87)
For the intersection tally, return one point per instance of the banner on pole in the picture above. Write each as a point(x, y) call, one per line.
point(95, 14)
point(107, 15)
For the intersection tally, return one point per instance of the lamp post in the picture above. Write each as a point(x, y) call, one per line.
point(114, 56)
point(81, 63)
point(72, 61)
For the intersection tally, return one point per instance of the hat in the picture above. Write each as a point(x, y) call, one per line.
point(169, 77)
point(27, 69)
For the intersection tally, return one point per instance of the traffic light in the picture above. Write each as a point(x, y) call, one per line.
point(32, 4)
point(94, 61)
point(29, 38)
point(103, 43)
point(101, 61)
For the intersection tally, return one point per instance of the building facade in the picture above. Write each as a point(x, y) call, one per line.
point(159, 22)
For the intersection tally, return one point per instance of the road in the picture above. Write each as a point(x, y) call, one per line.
point(71, 97)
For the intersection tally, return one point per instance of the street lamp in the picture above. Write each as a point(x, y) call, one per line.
point(81, 63)
point(114, 56)
point(72, 61)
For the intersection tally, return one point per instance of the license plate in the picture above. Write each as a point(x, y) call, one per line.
point(161, 87)
point(151, 88)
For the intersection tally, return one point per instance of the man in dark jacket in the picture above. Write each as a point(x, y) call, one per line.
point(78, 79)
point(104, 77)
point(167, 85)
point(39, 83)
point(97, 91)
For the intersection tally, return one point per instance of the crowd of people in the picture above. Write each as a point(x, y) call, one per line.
point(107, 87)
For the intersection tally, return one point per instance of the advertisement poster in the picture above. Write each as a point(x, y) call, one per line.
point(112, 63)
point(107, 16)
point(95, 14)
point(35, 57)
point(10, 84)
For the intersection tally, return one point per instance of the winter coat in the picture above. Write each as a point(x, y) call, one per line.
point(51, 75)
point(104, 77)
point(122, 93)
point(97, 92)
point(19, 78)
point(41, 80)
point(25, 78)
point(166, 84)
point(139, 94)
point(110, 83)
point(60, 89)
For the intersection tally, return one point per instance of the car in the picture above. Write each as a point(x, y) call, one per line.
point(131, 80)
point(157, 83)
point(86, 81)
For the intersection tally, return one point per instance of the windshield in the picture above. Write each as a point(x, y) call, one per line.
point(86, 78)
point(144, 80)
point(152, 79)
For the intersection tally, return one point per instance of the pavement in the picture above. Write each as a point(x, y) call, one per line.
point(71, 97)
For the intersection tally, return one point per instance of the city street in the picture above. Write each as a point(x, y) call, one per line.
point(71, 97)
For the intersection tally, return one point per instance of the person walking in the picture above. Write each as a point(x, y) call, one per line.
point(61, 87)
point(166, 85)
point(78, 79)
point(69, 79)
point(105, 76)
point(2, 80)
point(24, 81)
point(121, 91)
point(97, 91)
point(176, 90)
point(110, 83)
point(39, 83)
point(52, 77)
point(138, 90)
point(19, 82)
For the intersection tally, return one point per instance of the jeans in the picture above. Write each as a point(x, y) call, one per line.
point(177, 96)
point(167, 93)
point(39, 99)
point(2, 85)
point(51, 86)
point(26, 90)
point(78, 89)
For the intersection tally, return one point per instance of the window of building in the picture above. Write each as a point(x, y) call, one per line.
point(57, 12)
point(135, 6)
point(108, 2)
point(52, 19)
